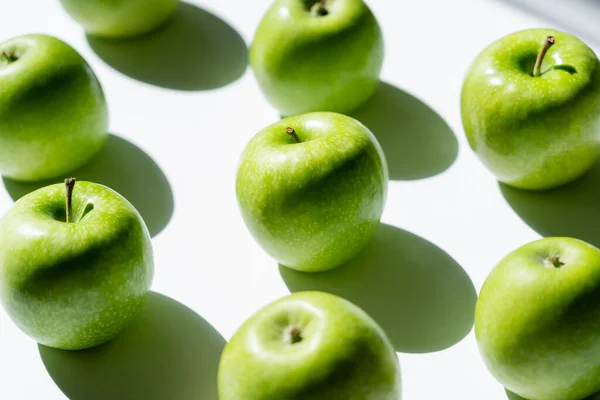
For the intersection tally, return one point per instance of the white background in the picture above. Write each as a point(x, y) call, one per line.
point(204, 256)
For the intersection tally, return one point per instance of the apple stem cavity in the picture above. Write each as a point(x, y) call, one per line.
point(548, 42)
point(555, 261)
point(69, 185)
point(293, 335)
point(9, 56)
point(320, 9)
point(290, 131)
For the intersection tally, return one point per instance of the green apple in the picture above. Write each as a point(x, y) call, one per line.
point(311, 55)
point(309, 345)
point(120, 18)
point(311, 189)
point(538, 317)
point(53, 115)
point(75, 267)
point(531, 111)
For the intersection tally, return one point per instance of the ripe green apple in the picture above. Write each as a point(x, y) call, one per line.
point(534, 130)
point(120, 18)
point(538, 317)
point(311, 55)
point(309, 345)
point(311, 189)
point(75, 267)
point(53, 115)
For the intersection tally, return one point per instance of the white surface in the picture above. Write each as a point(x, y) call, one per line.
point(579, 15)
point(206, 259)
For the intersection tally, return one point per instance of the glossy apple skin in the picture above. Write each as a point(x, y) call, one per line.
point(537, 325)
point(74, 285)
point(305, 63)
point(312, 205)
point(343, 354)
point(53, 115)
point(534, 132)
point(120, 18)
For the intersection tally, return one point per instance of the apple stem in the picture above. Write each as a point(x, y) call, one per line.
point(548, 42)
point(555, 260)
point(69, 185)
point(290, 131)
point(294, 335)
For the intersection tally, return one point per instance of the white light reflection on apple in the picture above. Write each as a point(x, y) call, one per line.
point(31, 231)
point(284, 12)
point(496, 81)
point(557, 59)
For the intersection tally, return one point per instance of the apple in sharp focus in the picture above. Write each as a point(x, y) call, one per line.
point(538, 317)
point(73, 273)
point(120, 18)
point(310, 55)
point(309, 345)
point(311, 189)
point(535, 125)
point(53, 115)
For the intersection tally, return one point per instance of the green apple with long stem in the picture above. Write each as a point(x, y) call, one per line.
point(53, 115)
point(311, 189)
point(537, 320)
point(309, 345)
point(76, 264)
point(317, 55)
point(120, 18)
point(531, 108)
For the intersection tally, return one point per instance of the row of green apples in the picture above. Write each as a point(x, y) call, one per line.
point(311, 189)
point(76, 265)
point(530, 110)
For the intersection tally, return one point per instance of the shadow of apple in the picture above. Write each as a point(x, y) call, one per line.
point(194, 50)
point(416, 141)
point(127, 169)
point(419, 295)
point(512, 396)
point(572, 210)
point(169, 352)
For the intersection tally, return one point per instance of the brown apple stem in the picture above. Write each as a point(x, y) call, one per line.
point(548, 42)
point(555, 260)
point(293, 335)
point(69, 185)
point(292, 133)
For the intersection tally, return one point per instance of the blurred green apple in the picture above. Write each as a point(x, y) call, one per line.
point(120, 18)
point(311, 55)
point(311, 189)
point(535, 125)
point(73, 273)
point(538, 317)
point(309, 345)
point(53, 116)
